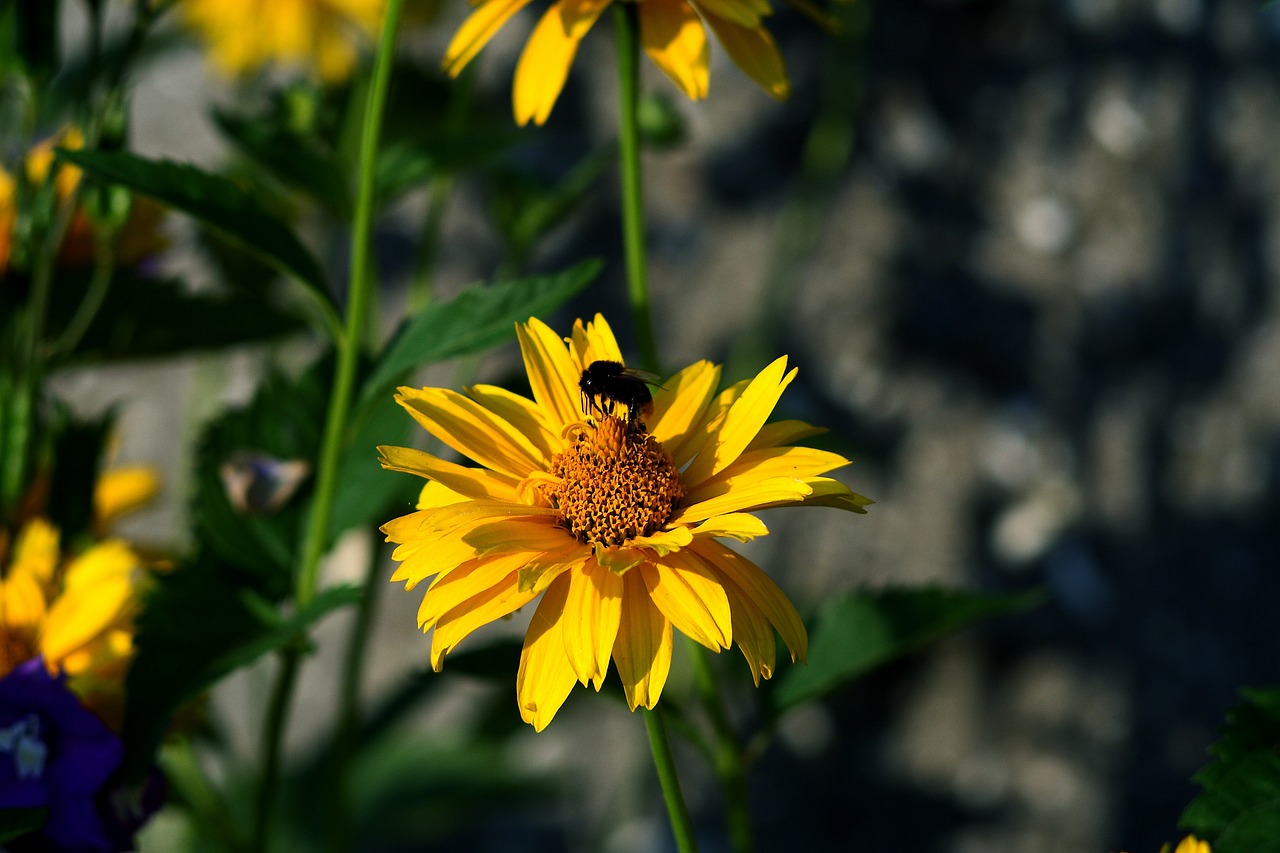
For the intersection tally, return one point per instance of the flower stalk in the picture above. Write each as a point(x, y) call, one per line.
point(664, 762)
point(358, 301)
point(626, 18)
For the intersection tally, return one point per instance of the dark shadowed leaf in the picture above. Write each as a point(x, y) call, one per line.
point(295, 160)
point(481, 316)
point(863, 630)
point(1238, 809)
point(213, 199)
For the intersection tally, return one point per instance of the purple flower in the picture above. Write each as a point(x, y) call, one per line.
point(54, 754)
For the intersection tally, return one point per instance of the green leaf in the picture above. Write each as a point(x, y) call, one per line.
point(408, 163)
point(149, 318)
point(479, 317)
point(15, 823)
point(214, 200)
point(368, 495)
point(284, 631)
point(1238, 808)
point(863, 630)
point(191, 621)
point(295, 160)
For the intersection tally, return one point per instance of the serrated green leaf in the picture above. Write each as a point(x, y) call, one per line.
point(479, 317)
point(1238, 808)
point(149, 318)
point(15, 823)
point(214, 200)
point(863, 630)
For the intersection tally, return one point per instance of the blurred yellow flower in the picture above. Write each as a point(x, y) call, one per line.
point(76, 610)
point(140, 237)
point(1190, 844)
point(672, 32)
point(323, 35)
point(614, 517)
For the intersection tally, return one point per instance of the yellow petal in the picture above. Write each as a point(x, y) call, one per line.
point(98, 594)
point(681, 402)
point(470, 482)
point(35, 552)
point(779, 433)
point(592, 342)
point(759, 466)
point(479, 610)
point(745, 12)
point(832, 493)
point(752, 633)
point(470, 579)
point(753, 50)
point(707, 427)
point(22, 604)
point(642, 651)
point(122, 490)
point(433, 542)
point(475, 32)
point(592, 610)
point(674, 38)
point(472, 430)
point(752, 495)
point(552, 375)
point(544, 64)
point(545, 677)
point(760, 589)
point(690, 595)
point(743, 420)
point(523, 414)
point(436, 494)
point(735, 525)
point(543, 533)
point(542, 569)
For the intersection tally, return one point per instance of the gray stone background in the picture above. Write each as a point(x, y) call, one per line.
point(1039, 303)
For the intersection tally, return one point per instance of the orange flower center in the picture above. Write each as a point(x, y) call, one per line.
point(615, 484)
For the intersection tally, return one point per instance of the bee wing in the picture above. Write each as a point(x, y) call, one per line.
point(648, 377)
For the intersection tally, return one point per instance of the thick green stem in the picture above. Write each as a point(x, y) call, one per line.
point(727, 755)
point(626, 17)
point(358, 299)
point(664, 762)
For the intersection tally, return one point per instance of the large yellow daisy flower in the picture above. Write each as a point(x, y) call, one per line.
point(614, 519)
point(245, 35)
point(672, 32)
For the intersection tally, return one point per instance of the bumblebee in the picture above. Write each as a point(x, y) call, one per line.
point(605, 384)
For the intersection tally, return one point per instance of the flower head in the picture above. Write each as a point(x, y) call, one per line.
point(57, 755)
point(615, 520)
point(672, 32)
point(322, 35)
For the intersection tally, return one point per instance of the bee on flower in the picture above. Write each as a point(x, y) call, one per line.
point(615, 518)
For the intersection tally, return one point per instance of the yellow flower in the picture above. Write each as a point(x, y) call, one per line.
point(614, 519)
point(672, 32)
point(324, 35)
point(1190, 844)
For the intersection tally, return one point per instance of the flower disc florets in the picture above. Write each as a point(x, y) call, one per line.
point(615, 484)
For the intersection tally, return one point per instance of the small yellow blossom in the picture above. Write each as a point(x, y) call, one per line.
point(615, 518)
point(672, 32)
point(1190, 844)
point(322, 35)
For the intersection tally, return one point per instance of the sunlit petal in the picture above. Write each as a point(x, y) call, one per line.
point(475, 32)
point(593, 609)
point(545, 677)
point(642, 651)
point(690, 595)
point(674, 38)
point(731, 435)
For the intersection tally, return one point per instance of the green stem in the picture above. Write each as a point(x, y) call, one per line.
point(272, 738)
point(626, 17)
point(665, 764)
point(349, 710)
point(727, 757)
point(358, 299)
point(104, 260)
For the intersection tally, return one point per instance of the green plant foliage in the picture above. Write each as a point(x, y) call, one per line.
point(213, 199)
point(1238, 809)
point(368, 495)
point(479, 317)
point(863, 630)
point(150, 318)
point(75, 460)
point(15, 823)
point(296, 160)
